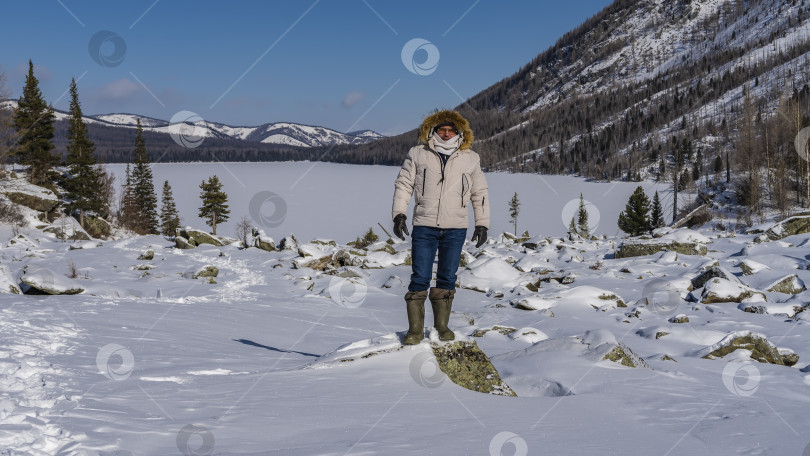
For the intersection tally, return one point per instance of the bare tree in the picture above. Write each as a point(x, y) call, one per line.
point(243, 229)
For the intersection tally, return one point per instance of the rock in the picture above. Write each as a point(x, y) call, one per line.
point(754, 309)
point(148, 255)
point(789, 227)
point(44, 281)
point(207, 271)
point(197, 237)
point(505, 330)
point(467, 366)
point(182, 243)
point(750, 267)
point(761, 349)
point(642, 247)
point(264, 243)
point(668, 358)
point(621, 354)
point(681, 318)
point(7, 283)
point(341, 258)
point(288, 243)
point(393, 281)
point(42, 202)
point(722, 290)
point(661, 334)
point(791, 284)
point(712, 272)
point(96, 226)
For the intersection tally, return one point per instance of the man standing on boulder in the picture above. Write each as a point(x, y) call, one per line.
point(444, 176)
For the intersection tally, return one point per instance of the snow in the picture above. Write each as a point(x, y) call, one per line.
point(271, 360)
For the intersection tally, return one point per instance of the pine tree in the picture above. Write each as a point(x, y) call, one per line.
point(572, 226)
point(214, 203)
point(169, 218)
point(128, 207)
point(514, 210)
point(657, 215)
point(33, 120)
point(83, 182)
point(582, 219)
point(635, 218)
point(143, 188)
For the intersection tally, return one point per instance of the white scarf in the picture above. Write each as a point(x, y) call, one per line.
point(446, 147)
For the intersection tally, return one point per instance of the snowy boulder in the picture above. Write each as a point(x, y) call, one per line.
point(750, 267)
point(330, 262)
point(7, 283)
point(644, 247)
point(504, 330)
point(84, 245)
point(603, 346)
point(791, 284)
point(67, 228)
point(535, 303)
point(288, 243)
point(41, 200)
point(789, 227)
point(383, 259)
point(207, 271)
point(45, 281)
point(96, 226)
point(759, 348)
point(529, 335)
point(487, 274)
point(189, 236)
point(467, 366)
point(715, 271)
point(146, 256)
point(723, 290)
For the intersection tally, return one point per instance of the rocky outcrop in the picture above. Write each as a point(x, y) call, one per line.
point(789, 227)
point(761, 349)
point(42, 203)
point(44, 281)
point(719, 290)
point(186, 238)
point(96, 226)
point(467, 366)
point(643, 247)
point(791, 284)
point(207, 271)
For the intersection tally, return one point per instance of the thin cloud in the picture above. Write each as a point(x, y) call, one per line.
point(352, 98)
point(119, 90)
point(40, 72)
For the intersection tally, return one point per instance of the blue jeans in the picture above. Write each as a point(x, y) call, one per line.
point(425, 241)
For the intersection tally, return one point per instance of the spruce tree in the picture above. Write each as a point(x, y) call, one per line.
point(214, 203)
point(128, 207)
point(657, 215)
point(635, 218)
point(169, 218)
point(83, 182)
point(33, 121)
point(582, 219)
point(143, 188)
point(514, 210)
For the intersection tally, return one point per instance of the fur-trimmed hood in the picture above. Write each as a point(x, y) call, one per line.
point(446, 115)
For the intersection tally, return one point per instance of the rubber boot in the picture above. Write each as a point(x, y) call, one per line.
point(415, 303)
point(442, 302)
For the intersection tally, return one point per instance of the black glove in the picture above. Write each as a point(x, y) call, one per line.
point(400, 226)
point(480, 234)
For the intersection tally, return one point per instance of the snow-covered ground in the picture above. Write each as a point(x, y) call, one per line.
point(271, 359)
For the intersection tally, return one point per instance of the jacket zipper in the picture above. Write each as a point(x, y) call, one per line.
point(424, 178)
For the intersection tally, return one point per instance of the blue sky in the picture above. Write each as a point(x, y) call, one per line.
point(332, 63)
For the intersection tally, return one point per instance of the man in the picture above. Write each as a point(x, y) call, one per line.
point(444, 176)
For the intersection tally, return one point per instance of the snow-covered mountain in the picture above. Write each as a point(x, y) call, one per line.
point(282, 133)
